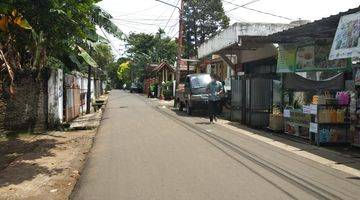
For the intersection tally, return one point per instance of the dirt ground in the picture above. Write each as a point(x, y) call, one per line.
point(43, 166)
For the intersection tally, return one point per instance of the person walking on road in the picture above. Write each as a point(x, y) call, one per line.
point(214, 90)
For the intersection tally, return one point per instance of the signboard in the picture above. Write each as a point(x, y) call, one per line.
point(306, 109)
point(286, 58)
point(286, 113)
point(314, 127)
point(347, 39)
point(311, 57)
point(313, 109)
point(305, 57)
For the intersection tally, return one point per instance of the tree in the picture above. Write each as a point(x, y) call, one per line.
point(112, 73)
point(102, 54)
point(144, 49)
point(124, 72)
point(202, 19)
point(57, 29)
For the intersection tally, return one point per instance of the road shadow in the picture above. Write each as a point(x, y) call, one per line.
point(203, 123)
point(16, 156)
point(345, 155)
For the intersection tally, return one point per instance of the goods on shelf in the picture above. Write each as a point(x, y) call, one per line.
point(331, 115)
point(297, 123)
point(332, 135)
point(331, 118)
point(343, 98)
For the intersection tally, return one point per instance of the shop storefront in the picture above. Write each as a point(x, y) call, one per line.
point(318, 98)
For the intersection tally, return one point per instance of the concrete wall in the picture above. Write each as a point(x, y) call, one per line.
point(26, 109)
point(266, 51)
point(72, 97)
point(55, 98)
point(83, 91)
point(230, 36)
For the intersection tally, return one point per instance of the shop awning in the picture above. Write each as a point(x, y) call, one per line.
point(295, 82)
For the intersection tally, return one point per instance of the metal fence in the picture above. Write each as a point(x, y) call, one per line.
point(252, 100)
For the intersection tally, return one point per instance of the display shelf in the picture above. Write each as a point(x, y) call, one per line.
point(329, 126)
point(297, 124)
point(332, 105)
point(296, 136)
point(334, 124)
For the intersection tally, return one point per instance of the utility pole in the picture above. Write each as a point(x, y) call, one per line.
point(180, 39)
point(88, 93)
point(180, 42)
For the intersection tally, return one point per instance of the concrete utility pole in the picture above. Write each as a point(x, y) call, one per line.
point(88, 93)
point(180, 39)
point(180, 47)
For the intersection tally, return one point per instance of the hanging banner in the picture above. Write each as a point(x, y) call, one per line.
point(305, 57)
point(286, 58)
point(347, 39)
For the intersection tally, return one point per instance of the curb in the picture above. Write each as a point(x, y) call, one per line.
point(295, 150)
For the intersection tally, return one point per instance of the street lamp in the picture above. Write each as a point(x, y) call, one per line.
point(180, 39)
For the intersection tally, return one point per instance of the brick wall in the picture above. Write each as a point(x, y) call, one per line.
point(26, 110)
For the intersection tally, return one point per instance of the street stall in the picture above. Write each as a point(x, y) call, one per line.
point(315, 87)
point(347, 45)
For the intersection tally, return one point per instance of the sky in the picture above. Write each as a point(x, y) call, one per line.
point(149, 15)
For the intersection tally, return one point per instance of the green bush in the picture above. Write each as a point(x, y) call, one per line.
point(168, 90)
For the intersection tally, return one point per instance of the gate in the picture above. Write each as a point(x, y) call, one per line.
point(252, 99)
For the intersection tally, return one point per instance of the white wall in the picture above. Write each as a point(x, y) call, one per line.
point(83, 88)
point(230, 36)
point(55, 97)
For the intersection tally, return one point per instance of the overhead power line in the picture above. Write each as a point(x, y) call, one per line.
point(258, 11)
point(136, 22)
point(240, 6)
point(172, 14)
point(107, 38)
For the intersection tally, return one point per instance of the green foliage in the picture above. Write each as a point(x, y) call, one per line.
point(144, 49)
point(203, 19)
point(168, 90)
point(54, 63)
point(102, 54)
point(58, 27)
point(124, 72)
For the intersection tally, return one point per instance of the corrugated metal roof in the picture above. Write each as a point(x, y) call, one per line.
point(322, 28)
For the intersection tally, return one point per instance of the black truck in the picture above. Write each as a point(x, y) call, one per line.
point(193, 93)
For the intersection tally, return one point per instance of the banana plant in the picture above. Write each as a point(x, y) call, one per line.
point(8, 58)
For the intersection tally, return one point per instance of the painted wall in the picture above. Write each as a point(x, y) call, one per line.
point(55, 98)
point(230, 36)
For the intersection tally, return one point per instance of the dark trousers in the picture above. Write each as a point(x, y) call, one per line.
point(213, 109)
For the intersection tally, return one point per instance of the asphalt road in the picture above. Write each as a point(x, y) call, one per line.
point(145, 152)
